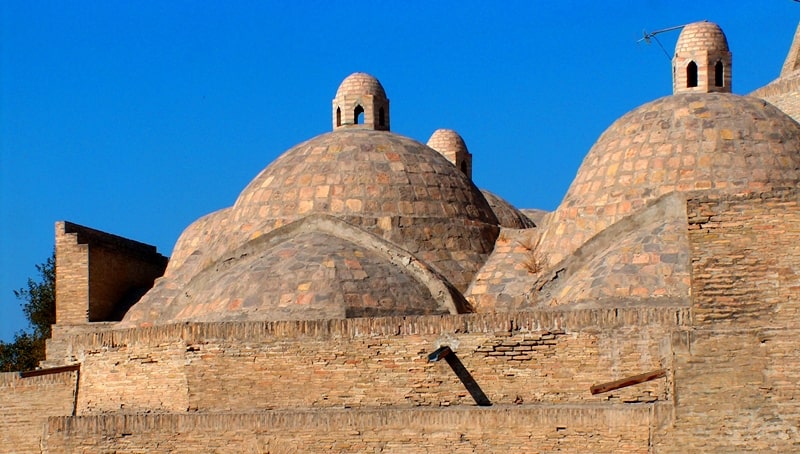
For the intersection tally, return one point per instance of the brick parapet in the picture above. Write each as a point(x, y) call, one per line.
point(26, 403)
point(615, 428)
point(532, 321)
point(14, 380)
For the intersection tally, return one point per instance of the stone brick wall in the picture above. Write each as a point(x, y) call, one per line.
point(735, 373)
point(25, 405)
point(735, 391)
point(615, 428)
point(745, 259)
point(72, 277)
point(98, 274)
point(553, 357)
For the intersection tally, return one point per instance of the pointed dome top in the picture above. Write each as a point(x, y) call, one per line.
point(699, 36)
point(360, 84)
point(447, 141)
point(361, 103)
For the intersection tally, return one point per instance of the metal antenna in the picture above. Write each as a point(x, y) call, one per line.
point(648, 35)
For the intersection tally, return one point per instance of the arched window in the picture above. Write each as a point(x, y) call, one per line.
point(358, 115)
point(718, 74)
point(338, 117)
point(464, 167)
point(381, 117)
point(691, 74)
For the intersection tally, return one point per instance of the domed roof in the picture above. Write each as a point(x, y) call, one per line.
point(447, 141)
point(508, 216)
point(685, 142)
point(311, 276)
point(361, 173)
point(375, 182)
point(359, 84)
point(699, 36)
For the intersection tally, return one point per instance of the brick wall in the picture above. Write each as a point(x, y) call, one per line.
point(616, 428)
point(745, 257)
point(735, 373)
point(25, 405)
point(544, 357)
point(98, 275)
point(72, 277)
point(735, 391)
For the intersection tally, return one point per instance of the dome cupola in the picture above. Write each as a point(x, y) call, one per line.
point(361, 102)
point(702, 62)
point(450, 144)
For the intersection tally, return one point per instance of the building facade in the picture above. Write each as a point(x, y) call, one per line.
point(363, 295)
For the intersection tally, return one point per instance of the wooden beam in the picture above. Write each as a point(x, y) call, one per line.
point(52, 370)
point(635, 380)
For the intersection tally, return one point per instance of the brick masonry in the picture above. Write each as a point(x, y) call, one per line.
point(98, 274)
point(615, 428)
point(363, 363)
point(25, 405)
point(730, 384)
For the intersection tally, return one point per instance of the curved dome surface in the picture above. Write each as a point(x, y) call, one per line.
point(685, 142)
point(362, 173)
point(311, 276)
point(508, 216)
point(447, 142)
point(377, 182)
point(387, 184)
point(699, 36)
point(359, 84)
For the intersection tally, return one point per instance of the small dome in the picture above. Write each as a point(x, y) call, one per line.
point(360, 84)
point(361, 103)
point(447, 141)
point(682, 143)
point(450, 144)
point(700, 36)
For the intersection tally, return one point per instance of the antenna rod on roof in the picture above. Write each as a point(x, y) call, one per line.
point(647, 35)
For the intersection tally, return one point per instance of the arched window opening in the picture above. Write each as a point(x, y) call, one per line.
point(464, 167)
point(358, 115)
point(381, 117)
point(338, 117)
point(691, 74)
point(718, 74)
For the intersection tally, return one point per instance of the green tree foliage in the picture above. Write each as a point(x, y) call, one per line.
point(39, 306)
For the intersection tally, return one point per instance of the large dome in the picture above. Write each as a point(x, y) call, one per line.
point(361, 173)
point(392, 186)
point(685, 142)
point(376, 185)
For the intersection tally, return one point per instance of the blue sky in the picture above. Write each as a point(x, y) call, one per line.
point(138, 117)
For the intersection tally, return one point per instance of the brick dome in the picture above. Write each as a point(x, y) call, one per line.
point(508, 216)
point(699, 36)
point(450, 144)
point(313, 275)
point(447, 141)
point(361, 103)
point(681, 143)
point(374, 183)
point(359, 84)
point(361, 173)
point(391, 185)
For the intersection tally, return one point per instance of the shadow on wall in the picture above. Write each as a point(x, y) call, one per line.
point(462, 373)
